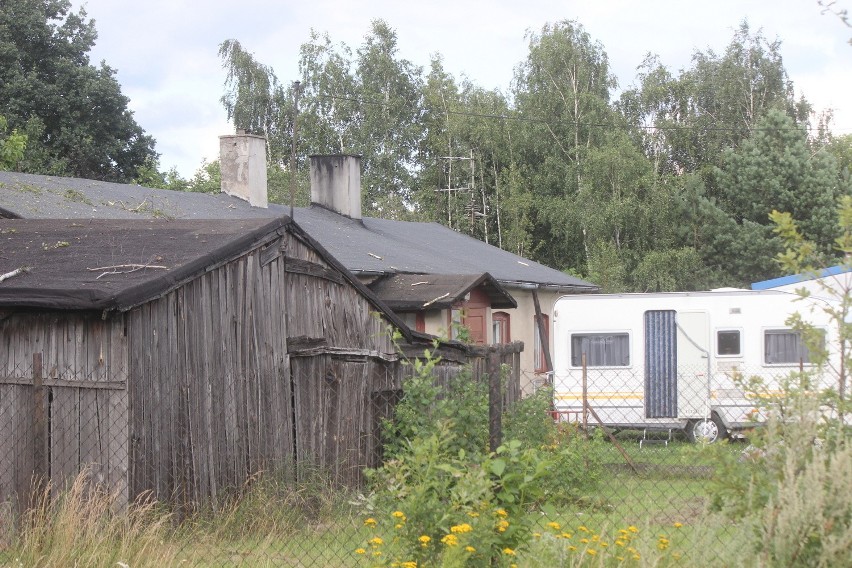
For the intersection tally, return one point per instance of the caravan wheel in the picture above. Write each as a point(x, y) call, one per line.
point(706, 431)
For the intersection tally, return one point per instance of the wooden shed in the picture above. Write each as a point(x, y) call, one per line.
point(181, 357)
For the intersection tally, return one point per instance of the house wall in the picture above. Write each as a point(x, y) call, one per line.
point(78, 418)
point(522, 329)
point(522, 323)
point(436, 322)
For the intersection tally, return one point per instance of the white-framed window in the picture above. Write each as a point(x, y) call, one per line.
point(455, 322)
point(729, 343)
point(785, 347)
point(601, 349)
point(500, 331)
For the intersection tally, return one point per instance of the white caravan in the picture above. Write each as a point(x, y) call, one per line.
point(670, 360)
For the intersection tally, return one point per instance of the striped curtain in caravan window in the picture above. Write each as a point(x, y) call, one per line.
point(660, 364)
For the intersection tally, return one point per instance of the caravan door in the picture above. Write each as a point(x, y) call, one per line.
point(675, 363)
point(693, 357)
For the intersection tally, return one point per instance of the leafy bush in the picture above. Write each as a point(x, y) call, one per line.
point(577, 465)
point(441, 497)
point(808, 522)
point(427, 408)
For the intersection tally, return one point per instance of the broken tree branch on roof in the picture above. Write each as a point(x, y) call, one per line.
point(430, 302)
point(124, 268)
point(12, 274)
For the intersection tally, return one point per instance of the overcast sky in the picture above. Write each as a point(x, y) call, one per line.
point(165, 51)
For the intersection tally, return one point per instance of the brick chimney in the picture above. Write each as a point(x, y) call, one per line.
point(336, 183)
point(242, 160)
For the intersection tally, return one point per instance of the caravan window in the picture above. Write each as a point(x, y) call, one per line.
point(785, 346)
point(601, 349)
point(728, 342)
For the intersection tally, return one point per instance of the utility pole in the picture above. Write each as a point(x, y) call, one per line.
point(450, 189)
point(297, 90)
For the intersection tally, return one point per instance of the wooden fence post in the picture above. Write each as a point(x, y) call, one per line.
point(39, 427)
point(495, 401)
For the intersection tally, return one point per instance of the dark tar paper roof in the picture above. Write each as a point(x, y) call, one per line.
point(115, 264)
point(371, 245)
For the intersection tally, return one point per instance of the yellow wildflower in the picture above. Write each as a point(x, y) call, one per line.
point(554, 526)
point(567, 535)
point(360, 551)
point(604, 544)
point(501, 513)
point(470, 549)
point(461, 529)
point(536, 535)
point(472, 514)
point(397, 526)
point(450, 540)
point(632, 529)
point(636, 557)
point(572, 548)
point(582, 528)
point(677, 525)
point(596, 538)
point(425, 540)
point(508, 551)
point(584, 540)
point(376, 541)
point(620, 543)
point(408, 564)
point(371, 522)
point(377, 553)
point(591, 552)
point(398, 515)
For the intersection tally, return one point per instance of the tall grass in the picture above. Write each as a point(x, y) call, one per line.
point(275, 507)
point(269, 522)
point(82, 526)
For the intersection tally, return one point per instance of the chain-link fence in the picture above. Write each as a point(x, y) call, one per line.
point(85, 480)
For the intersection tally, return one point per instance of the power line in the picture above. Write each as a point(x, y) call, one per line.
point(536, 120)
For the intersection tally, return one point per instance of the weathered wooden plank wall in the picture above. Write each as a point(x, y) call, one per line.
point(343, 355)
point(83, 401)
point(210, 383)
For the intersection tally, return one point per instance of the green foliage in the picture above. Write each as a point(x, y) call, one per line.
point(367, 104)
point(576, 460)
point(441, 496)
point(809, 520)
point(436, 504)
point(427, 408)
point(73, 113)
point(776, 169)
point(805, 256)
point(667, 188)
point(793, 483)
point(12, 146)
